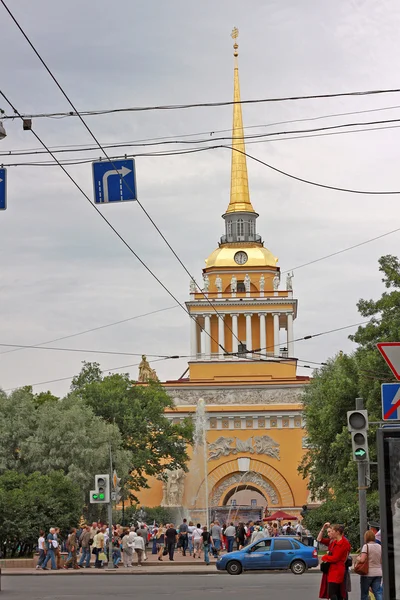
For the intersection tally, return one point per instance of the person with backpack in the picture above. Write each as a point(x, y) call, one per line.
point(207, 544)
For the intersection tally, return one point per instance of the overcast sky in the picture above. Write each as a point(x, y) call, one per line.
point(64, 271)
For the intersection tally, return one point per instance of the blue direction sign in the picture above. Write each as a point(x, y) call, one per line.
point(391, 401)
point(3, 189)
point(114, 181)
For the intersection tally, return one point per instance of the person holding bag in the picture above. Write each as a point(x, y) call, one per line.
point(337, 557)
point(369, 566)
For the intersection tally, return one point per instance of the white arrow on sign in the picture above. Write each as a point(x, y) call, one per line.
point(123, 171)
point(391, 353)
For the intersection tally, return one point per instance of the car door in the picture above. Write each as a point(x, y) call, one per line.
point(258, 556)
point(282, 553)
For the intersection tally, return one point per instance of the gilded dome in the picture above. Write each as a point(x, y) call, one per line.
point(224, 256)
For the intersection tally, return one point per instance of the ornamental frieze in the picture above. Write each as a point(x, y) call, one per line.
point(182, 396)
point(224, 446)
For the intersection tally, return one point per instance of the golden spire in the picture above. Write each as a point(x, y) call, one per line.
point(240, 196)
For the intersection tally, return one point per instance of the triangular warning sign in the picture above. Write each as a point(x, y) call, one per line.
point(391, 353)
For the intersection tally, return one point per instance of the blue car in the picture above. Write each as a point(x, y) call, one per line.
point(270, 553)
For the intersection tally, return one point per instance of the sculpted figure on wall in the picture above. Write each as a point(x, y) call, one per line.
point(247, 282)
point(234, 284)
point(173, 488)
point(146, 373)
point(221, 447)
point(262, 283)
point(206, 283)
point(236, 396)
point(262, 444)
point(276, 281)
point(192, 287)
point(289, 282)
point(218, 283)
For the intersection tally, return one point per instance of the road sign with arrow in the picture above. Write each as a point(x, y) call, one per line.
point(114, 181)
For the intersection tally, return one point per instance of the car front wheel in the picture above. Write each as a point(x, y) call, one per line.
point(234, 567)
point(298, 567)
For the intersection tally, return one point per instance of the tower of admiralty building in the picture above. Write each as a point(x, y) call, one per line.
point(242, 369)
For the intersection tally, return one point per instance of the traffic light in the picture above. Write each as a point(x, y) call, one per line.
point(357, 424)
point(101, 493)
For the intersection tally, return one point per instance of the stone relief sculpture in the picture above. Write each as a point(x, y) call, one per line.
point(258, 445)
point(192, 287)
point(173, 488)
point(221, 447)
point(266, 445)
point(236, 478)
point(218, 283)
point(262, 283)
point(206, 283)
point(234, 284)
point(289, 282)
point(276, 281)
point(146, 373)
point(237, 396)
point(247, 282)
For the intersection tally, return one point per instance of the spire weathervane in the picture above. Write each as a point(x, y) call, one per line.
point(234, 36)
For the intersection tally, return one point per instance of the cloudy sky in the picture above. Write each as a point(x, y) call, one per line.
point(63, 271)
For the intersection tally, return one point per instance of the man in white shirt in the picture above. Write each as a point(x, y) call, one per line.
point(197, 540)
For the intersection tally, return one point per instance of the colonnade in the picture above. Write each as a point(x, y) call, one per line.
point(201, 336)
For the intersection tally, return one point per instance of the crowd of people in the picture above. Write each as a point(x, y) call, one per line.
point(129, 544)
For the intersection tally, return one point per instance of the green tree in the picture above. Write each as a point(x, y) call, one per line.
point(332, 392)
point(138, 411)
point(32, 502)
point(343, 510)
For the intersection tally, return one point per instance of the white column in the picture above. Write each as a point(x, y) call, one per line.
point(290, 344)
point(276, 334)
point(207, 339)
point(249, 344)
point(263, 333)
point(221, 334)
point(234, 333)
point(193, 338)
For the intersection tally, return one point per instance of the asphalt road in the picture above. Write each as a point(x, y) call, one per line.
point(257, 586)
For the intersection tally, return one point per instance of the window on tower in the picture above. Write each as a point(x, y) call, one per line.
point(240, 228)
point(240, 287)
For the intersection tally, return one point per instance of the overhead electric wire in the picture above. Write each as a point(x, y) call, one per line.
point(122, 178)
point(80, 350)
point(71, 335)
point(87, 113)
point(82, 147)
point(104, 218)
point(246, 138)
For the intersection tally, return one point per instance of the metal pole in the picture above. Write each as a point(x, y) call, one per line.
point(110, 565)
point(206, 474)
point(362, 467)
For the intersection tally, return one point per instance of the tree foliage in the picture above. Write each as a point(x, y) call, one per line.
point(138, 411)
point(343, 510)
point(328, 462)
point(32, 502)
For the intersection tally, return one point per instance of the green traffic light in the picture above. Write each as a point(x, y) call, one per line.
point(95, 496)
point(101, 496)
point(360, 453)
